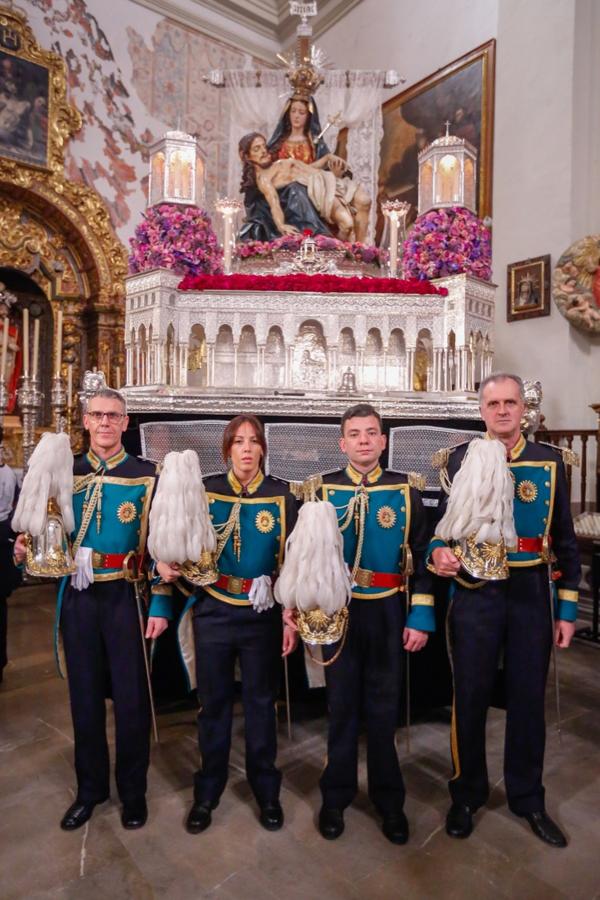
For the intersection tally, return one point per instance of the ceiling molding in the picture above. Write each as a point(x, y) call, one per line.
point(264, 27)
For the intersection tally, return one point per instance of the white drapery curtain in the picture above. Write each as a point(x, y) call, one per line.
point(355, 97)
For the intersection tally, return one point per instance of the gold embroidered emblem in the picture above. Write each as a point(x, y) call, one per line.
point(386, 517)
point(265, 521)
point(527, 491)
point(126, 512)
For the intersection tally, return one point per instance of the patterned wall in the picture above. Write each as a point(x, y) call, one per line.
point(134, 75)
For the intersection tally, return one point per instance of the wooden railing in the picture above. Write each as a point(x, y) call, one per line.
point(586, 443)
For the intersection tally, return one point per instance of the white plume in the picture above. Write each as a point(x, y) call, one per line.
point(50, 474)
point(180, 526)
point(481, 497)
point(314, 574)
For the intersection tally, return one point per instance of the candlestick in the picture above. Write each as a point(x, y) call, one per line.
point(58, 402)
point(58, 348)
point(228, 209)
point(30, 402)
point(395, 212)
point(25, 343)
point(36, 349)
point(5, 326)
point(70, 385)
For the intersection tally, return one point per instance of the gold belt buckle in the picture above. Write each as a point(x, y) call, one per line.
point(98, 559)
point(364, 577)
point(234, 584)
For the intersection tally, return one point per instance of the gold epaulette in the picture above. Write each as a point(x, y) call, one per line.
point(307, 489)
point(570, 457)
point(440, 458)
point(416, 480)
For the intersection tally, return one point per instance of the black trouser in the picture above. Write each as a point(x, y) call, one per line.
point(222, 633)
point(9, 578)
point(511, 616)
point(368, 671)
point(103, 649)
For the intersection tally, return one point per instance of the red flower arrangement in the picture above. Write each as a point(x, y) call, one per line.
point(322, 284)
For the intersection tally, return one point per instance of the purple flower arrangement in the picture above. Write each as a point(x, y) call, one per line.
point(175, 237)
point(447, 242)
point(360, 252)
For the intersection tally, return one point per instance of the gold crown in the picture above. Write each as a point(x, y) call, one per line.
point(305, 80)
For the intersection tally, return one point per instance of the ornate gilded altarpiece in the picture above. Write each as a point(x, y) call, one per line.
point(57, 231)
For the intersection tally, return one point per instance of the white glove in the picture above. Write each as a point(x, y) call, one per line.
point(83, 576)
point(261, 593)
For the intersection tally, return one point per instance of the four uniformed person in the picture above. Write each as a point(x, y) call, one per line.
point(100, 623)
point(513, 616)
point(384, 528)
point(236, 618)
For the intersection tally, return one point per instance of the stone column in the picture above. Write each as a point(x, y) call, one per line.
point(410, 368)
point(183, 369)
point(213, 354)
point(333, 369)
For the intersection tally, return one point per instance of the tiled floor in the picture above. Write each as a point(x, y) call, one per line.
point(236, 858)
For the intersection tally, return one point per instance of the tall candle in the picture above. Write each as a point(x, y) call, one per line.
point(70, 385)
point(393, 246)
point(36, 348)
point(5, 325)
point(227, 244)
point(25, 343)
point(118, 377)
point(58, 349)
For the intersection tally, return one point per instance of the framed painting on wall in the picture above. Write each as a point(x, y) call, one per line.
point(24, 108)
point(528, 289)
point(462, 94)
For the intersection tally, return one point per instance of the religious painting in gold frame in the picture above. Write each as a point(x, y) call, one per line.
point(25, 100)
point(528, 289)
point(461, 93)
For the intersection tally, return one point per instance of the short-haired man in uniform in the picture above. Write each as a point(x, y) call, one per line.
point(513, 615)
point(384, 527)
point(99, 623)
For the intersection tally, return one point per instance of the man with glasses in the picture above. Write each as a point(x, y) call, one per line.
point(99, 617)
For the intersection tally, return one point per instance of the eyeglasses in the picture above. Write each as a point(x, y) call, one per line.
point(113, 417)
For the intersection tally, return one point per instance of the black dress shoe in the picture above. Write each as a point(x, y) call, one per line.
point(271, 816)
point(331, 822)
point(199, 818)
point(134, 814)
point(547, 830)
point(395, 827)
point(459, 821)
point(78, 814)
